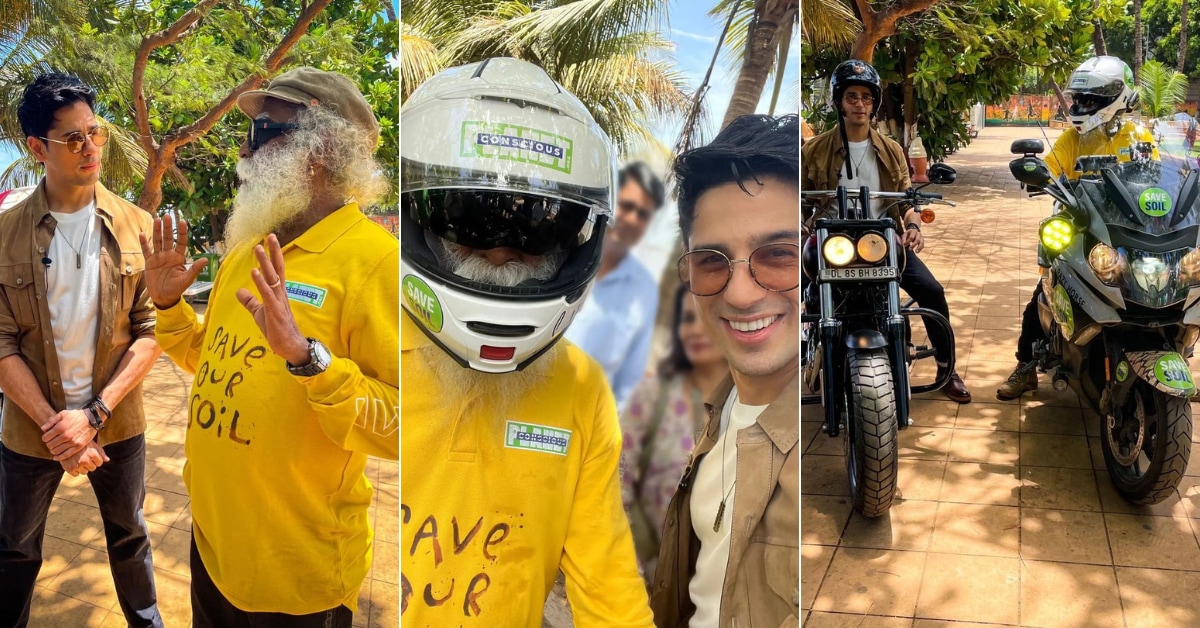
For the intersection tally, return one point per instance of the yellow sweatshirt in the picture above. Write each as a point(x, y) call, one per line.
point(1070, 146)
point(275, 462)
point(492, 508)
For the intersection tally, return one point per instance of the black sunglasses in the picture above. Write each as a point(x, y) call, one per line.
point(263, 131)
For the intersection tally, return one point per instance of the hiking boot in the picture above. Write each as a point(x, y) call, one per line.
point(1023, 379)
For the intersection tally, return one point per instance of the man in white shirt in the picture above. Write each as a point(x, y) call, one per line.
point(730, 548)
point(616, 324)
point(76, 341)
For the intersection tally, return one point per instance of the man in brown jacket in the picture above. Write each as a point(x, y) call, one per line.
point(730, 546)
point(879, 163)
point(76, 341)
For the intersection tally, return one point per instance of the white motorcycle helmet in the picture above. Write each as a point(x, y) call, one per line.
point(497, 154)
point(1100, 89)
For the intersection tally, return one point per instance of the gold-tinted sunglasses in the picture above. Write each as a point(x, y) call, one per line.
point(74, 142)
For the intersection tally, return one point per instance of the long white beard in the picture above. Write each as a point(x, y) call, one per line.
point(275, 189)
point(474, 267)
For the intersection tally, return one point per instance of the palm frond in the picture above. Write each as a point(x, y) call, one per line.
point(23, 171)
point(1161, 89)
point(828, 23)
point(124, 163)
point(418, 59)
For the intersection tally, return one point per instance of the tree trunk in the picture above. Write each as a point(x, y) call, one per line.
point(1137, 38)
point(1098, 38)
point(880, 24)
point(1183, 35)
point(1063, 103)
point(910, 95)
point(761, 45)
point(161, 156)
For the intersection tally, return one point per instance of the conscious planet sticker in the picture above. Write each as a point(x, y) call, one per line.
point(423, 302)
point(1172, 371)
point(1155, 202)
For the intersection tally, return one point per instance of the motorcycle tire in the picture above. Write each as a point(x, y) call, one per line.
point(1171, 429)
point(873, 442)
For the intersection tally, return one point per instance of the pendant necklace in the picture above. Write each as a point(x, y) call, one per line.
point(728, 426)
point(77, 249)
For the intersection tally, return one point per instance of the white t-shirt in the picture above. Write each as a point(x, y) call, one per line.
point(866, 172)
point(706, 584)
point(73, 294)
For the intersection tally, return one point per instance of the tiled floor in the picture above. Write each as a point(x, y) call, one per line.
point(75, 585)
point(1006, 515)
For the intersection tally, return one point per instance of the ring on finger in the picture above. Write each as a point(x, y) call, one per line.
point(274, 285)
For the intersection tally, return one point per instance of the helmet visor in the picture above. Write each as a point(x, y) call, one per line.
point(489, 219)
point(1087, 104)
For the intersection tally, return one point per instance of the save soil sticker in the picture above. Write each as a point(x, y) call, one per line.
point(1122, 371)
point(1172, 371)
point(1155, 202)
point(1063, 314)
point(423, 302)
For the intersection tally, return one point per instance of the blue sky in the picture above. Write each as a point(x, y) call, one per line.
point(695, 36)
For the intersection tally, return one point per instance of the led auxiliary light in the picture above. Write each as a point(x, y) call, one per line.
point(1057, 233)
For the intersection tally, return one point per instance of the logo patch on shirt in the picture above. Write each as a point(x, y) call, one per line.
point(304, 293)
point(532, 437)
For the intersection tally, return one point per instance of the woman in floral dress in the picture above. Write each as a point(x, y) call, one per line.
point(660, 423)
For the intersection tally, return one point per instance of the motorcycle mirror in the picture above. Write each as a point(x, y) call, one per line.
point(941, 174)
point(1027, 147)
point(1030, 170)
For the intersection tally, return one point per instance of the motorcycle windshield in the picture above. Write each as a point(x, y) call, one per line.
point(1149, 207)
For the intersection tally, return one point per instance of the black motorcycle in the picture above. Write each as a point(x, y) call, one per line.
point(857, 350)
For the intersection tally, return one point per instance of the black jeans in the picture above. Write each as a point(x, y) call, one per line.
point(1031, 327)
point(920, 284)
point(210, 609)
point(27, 487)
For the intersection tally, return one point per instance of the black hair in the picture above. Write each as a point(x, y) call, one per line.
point(676, 361)
point(644, 177)
point(751, 147)
point(45, 96)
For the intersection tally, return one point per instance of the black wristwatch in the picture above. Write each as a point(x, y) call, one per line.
point(94, 418)
point(318, 360)
point(912, 225)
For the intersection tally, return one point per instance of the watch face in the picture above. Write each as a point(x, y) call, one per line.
point(321, 355)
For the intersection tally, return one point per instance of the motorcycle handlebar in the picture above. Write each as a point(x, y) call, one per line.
point(910, 194)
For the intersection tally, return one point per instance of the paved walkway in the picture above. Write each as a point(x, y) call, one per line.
point(75, 585)
point(1006, 515)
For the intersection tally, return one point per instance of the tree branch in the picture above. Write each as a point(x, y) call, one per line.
point(165, 37)
point(186, 134)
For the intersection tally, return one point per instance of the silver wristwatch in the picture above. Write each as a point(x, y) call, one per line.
point(318, 360)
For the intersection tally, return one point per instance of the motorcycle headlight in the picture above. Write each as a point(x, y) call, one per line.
point(872, 247)
point(1107, 263)
point(1189, 268)
point(1057, 233)
point(1151, 273)
point(838, 250)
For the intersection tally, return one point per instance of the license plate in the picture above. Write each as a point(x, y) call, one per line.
point(859, 274)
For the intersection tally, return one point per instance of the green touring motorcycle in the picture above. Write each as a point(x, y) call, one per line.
point(1119, 304)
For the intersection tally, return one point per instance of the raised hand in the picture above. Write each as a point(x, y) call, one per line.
point(273, 314)
point(167, 272)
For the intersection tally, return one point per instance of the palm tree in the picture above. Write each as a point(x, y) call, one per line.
point(1161, 89)
point(765, 41)
point(30, 30)
point(602, 51)
point(1183, 36)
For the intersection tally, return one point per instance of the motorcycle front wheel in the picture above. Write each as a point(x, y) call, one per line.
point(872, 442)
point(1146, 444)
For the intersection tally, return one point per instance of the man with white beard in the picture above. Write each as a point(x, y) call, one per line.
point(296, 374)
point(510, 440)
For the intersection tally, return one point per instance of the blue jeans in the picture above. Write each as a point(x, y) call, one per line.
point(27, 486)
